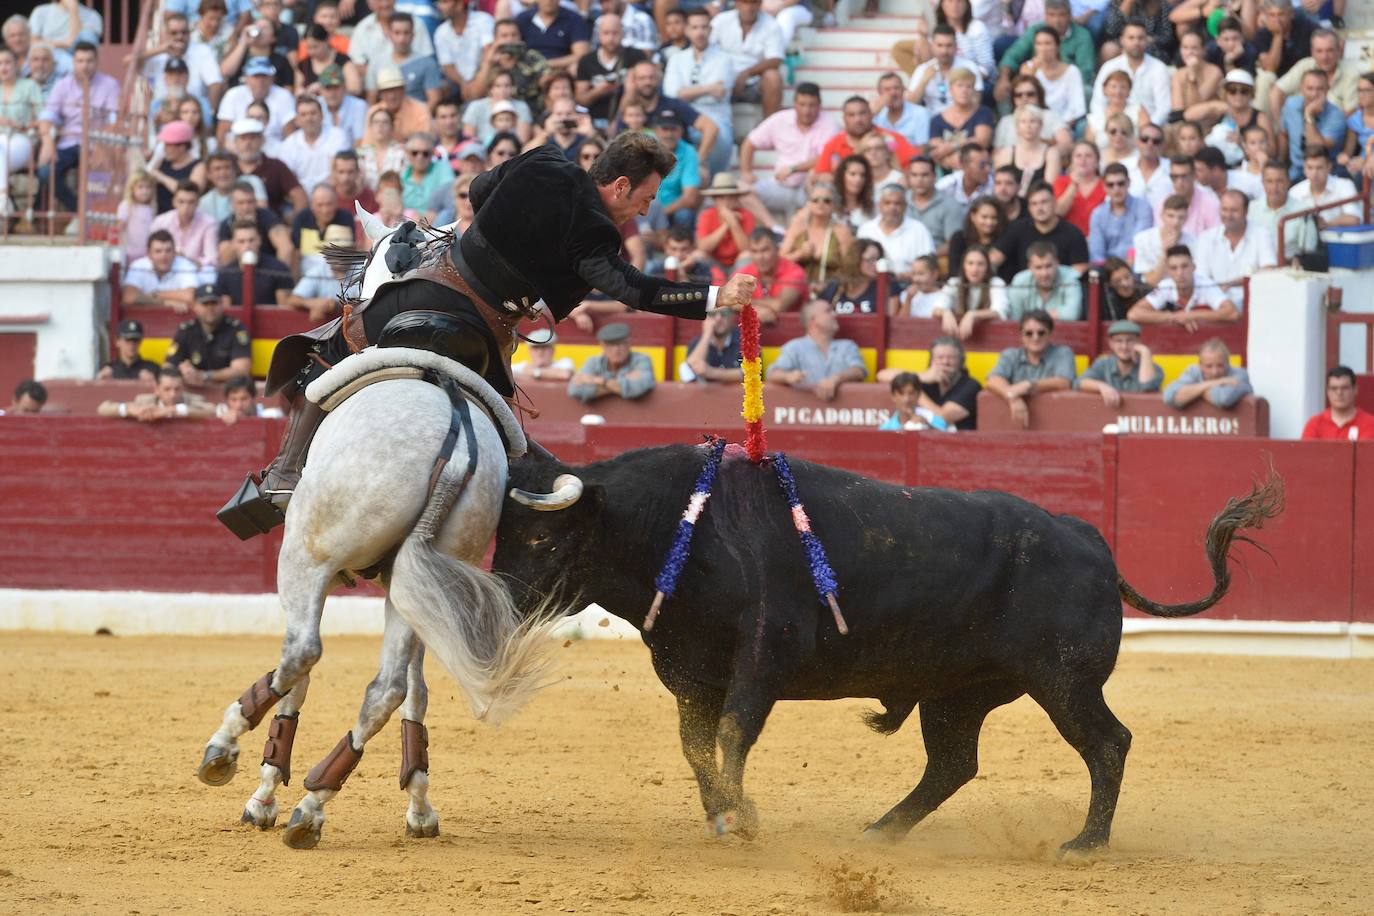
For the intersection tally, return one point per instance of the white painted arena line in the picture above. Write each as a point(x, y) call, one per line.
point(197, 614)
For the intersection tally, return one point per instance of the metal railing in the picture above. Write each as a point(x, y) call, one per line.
point(1284, 220)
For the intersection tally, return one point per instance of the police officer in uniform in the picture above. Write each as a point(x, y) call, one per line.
point(212, 347)
point(128, 365)
point(544, 231)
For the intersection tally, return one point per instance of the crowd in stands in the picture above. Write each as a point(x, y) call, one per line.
point(1012, 149)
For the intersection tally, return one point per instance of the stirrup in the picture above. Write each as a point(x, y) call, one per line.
point(251, 512)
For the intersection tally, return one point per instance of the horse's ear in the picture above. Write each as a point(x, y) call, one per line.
point(371, 224)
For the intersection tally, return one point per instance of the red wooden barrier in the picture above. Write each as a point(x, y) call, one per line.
point(87, 503)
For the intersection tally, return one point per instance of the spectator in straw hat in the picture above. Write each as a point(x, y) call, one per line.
point(408, 115)
point(321, 282)
point(723, 228)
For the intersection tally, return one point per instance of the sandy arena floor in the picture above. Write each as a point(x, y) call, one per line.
point(1246, 792)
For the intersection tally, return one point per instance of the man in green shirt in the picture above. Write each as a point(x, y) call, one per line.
point(1075, 47)
point(1130, 368)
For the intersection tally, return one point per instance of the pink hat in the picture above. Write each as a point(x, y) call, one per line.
point(175, 132)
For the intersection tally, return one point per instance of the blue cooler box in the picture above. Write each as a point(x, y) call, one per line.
point(1351, 247)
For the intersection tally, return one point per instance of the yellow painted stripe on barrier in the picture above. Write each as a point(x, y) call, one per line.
point(155, 349)
point(580, 353)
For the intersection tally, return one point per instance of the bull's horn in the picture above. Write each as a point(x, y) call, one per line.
point(373, 226)
point(567, 489)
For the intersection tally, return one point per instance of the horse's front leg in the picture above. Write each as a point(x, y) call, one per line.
point(261, 808)
point(303, 601)
point(383, 696)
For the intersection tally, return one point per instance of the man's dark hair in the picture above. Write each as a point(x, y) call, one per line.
point(763, 233)
point(306, 98)
point(923, 159)
point(904, 380)
point(169, 372)
point(634, 155)
point(208, 5)
point(238, 224)
point(1211, 157)
point(401, 17)
point(1238, 193)
point(1182, 160)
point(1335, 372)
point(161, 235)
point(1037, 187)
point(699, 11)
point(1178, 251)
point(187, 186)
point(681, 234)
point(500, 22)
point(1040, 316)
point(239, 382)
point(968, 149)
point(498, 137)
point(1008, 169)
point(347, 155)
point(1137, 22)
point(83, 46)
point(320, 3)
point(1230, 24)
point(317, 32)
point(856, 98)
point(442, 103)
point(944, 28)
point(242, 187)
point(1275, 164)
point(1042, 249)
point(1116, 168)
point(1315, 152)
point(675, 11)
point(222, 155)
point(1179, 202)
point(810, 89)
point(30, 388)
point(890, 75)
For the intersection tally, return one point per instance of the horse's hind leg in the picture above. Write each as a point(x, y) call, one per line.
point(302, 595)
point(382, 697)
point(421, 818)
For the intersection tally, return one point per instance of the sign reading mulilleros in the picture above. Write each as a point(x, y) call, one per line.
point(1177, 425)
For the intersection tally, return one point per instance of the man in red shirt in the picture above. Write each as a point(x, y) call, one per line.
point(782, 283)
point(858, 123)
point(1341, 419)
point(723, 230)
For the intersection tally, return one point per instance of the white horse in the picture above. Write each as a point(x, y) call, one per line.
point(364, 497)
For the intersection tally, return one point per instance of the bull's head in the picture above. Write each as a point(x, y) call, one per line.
point(545, 530)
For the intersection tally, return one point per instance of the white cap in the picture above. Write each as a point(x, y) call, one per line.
point(247, 126)
point(1240, 77)
point(501, 106)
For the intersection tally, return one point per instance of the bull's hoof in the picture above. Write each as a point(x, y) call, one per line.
point(1079, 851)
point(218, 766)
point(719, 825)
point(261, 816)
point(303, 831)
point(422, 826)
point(880, 836)
point(742, 821)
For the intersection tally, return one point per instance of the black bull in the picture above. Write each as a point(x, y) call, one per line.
point(958, 602)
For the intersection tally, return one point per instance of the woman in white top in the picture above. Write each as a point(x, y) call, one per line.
point(1063, 83)
point(379, 151)
point(971, 38)
point(1037, 160)
point(975, 295)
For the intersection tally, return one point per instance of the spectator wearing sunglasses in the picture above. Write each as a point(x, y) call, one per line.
point(1116, 220)
point(1037, 366)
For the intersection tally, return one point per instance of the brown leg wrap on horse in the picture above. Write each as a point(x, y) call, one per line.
point(284, 472)
point(258, 699)
point(414, 750)
point(333, 771)
point(281, 734)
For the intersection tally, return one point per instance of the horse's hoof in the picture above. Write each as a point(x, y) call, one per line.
point(218, 766)
point(303, 832)
point(422, 827)
point(263, 817)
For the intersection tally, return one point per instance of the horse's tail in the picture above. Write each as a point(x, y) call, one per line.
point(466, 616)
point(1264, 502)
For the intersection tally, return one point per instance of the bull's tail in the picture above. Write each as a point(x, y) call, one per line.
point(1265, 501)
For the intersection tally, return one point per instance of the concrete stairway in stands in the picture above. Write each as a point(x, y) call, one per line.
point(848, 58)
